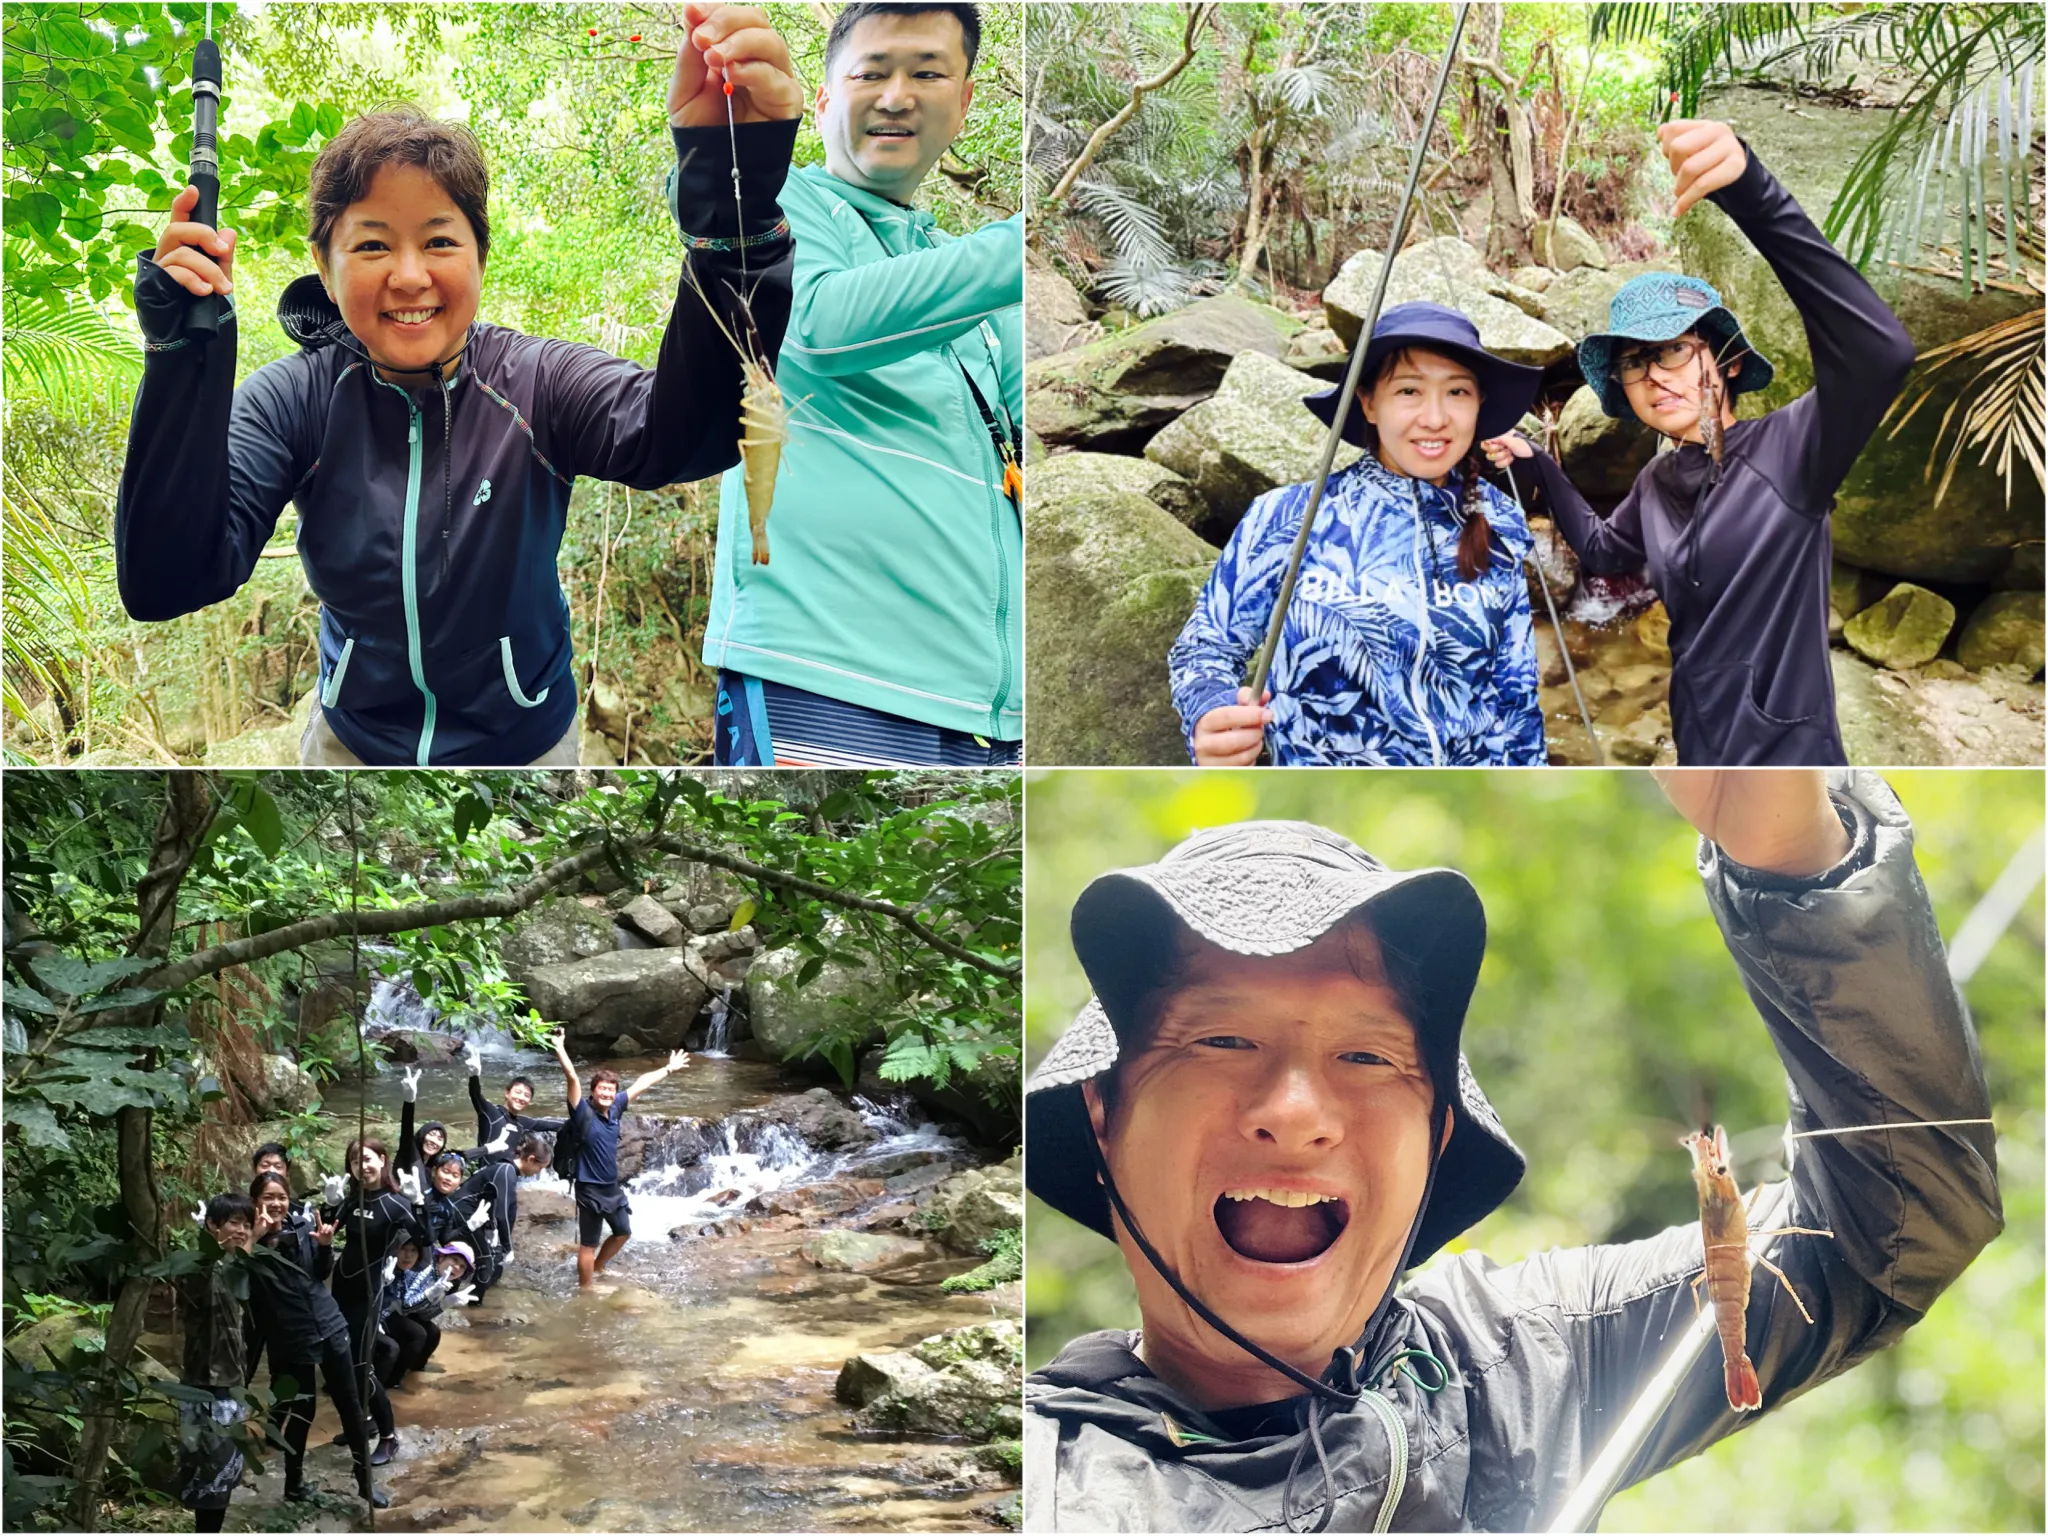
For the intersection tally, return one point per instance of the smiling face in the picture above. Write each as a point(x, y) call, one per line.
point(233, 1233)
point(447, 1178)
point(273, 1207)
point(517, 1097)
point(433, 1140)
point(603, 1093)
point(1426, 409)
point(1667, 396)
point(1272, 1141)
point(402, 264)
point(895, 94)
point(270, 1162)
point(369, 1167)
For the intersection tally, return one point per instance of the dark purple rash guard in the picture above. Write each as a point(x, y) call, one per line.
point(1743, 572)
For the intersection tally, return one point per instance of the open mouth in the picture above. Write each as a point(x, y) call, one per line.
point(412, 319)
point(1430, 447)
point(891, 131)
point(1280, 1226)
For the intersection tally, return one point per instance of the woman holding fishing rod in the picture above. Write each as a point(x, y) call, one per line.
point(1408, 639)
point(1734, 525)
point(431, 455)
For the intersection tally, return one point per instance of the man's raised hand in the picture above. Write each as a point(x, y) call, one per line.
point(731, 43)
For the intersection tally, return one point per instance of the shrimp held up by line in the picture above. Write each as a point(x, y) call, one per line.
point(1724, 1236)
point(764, 415)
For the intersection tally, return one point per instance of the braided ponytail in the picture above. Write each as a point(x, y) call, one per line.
point(1475, 537)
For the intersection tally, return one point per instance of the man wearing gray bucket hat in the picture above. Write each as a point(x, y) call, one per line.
point(1733, 526)
point(1266, 1107)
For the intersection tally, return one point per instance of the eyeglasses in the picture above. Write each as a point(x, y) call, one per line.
point(1634, 366)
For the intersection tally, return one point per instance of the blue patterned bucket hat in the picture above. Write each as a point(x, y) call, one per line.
point(1269, 888)
point(1657, 307)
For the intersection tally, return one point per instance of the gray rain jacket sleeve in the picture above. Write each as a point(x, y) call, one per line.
point(1850, 976)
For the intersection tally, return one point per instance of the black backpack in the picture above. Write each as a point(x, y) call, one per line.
point(568, 1148)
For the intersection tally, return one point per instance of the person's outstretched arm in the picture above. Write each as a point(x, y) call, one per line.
point(1822, 907)
point(209, 467)
point(1206, 665)
point(1606, 546)
point(571, 1083)
point(680, 421)
point(676, 1062)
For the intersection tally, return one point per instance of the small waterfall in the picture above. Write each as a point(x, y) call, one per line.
point(718, 1033)
point(395, 1006)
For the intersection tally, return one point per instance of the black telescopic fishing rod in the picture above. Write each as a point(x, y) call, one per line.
point(1262, 663)
point(202, 316)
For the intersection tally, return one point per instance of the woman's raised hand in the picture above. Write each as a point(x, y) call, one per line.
point(1230, 737)
point(1505, 449)
point(731, 43)
point(1705, 157)
point(201, 259)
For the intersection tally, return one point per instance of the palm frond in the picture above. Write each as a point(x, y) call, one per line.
point(1132, 225)
point(1702, 43)
point(1148, 288)
point(67, 353)
point(46, 600)
point(2001, 409)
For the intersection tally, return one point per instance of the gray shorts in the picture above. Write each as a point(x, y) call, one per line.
point(319, 747)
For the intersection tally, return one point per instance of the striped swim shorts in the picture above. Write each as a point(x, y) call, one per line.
point(762, 724)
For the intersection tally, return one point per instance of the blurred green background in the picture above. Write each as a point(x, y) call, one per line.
point(1606, 1004)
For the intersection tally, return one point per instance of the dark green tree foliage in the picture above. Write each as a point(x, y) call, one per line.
point(1607, 1014)
point(114, 925)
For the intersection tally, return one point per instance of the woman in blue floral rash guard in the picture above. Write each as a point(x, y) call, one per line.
point(1409, 638)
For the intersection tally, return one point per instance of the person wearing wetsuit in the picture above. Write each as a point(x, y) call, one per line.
point(600, 1198)
point(1740, 552)
point(215, 1361)
point(375, 1216)
point(411, 1303)
point(497, 1128)
point(303, 1327)
point(473, 1210)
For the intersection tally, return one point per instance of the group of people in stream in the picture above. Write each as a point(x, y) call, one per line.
point(348, 1285)
point(1409, 639)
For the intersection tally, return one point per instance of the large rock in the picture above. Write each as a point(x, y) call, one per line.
point(652, 994)
point(1885, 515)
point(273, 746)
point(862, 1253)
point(967, 1382)
point(1443, 271)
point(286, 1088)
point(841, 997)
point(970, 1208)
point(1911, 719)
point(1572, 246)
point(1077, 474)
point(653, 922)
point(1576, 303)
point(824, 1121)
point(1110, 580)
point(1905, 628)
point(1053, 311)
point(1252, 435)
point(1114, 393)
point(2004, 631)
point(554, 932)
point(1602, 456)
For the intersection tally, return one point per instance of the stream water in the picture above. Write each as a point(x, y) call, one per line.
point(692, 1390)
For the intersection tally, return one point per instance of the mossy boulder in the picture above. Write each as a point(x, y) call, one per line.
point(1443, 271)
point(554, 932)
point(2004, 631)
point(1601, 455)
point(1110, 580)
point(1904, 628)
point(1566, 245)
point(1115, 393)
point(1079, 474)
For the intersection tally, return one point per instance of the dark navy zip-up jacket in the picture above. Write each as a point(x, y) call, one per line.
point(1743, 572)
point(444, 633)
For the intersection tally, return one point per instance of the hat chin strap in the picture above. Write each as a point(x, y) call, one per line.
point(1341, 1381)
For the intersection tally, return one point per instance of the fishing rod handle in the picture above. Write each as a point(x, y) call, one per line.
point(202, 315)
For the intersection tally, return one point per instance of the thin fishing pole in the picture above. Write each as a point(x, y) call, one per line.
point(739, 213)
point(1262, 663)
point(1570, 672)
point(362, 1232)
point(1581, 1512)
point(1896, 1125)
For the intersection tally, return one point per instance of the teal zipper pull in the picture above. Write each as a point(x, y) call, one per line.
point(413, 433)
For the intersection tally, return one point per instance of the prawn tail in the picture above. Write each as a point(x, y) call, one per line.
point(1745, 1394)
point(759, 462)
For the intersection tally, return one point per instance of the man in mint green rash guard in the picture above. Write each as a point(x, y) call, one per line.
point(887, 625)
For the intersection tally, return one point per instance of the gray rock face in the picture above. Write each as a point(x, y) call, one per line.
point(711, 948)
point(971, 1207)
point(554, 932)
point(1905, 628)
point(652, 921)
point(1572, 247)
point(966, 1382)
point(1885, 517)
point(1116, 392)
point(819, 1116)
point(1602, 456)
point(2004, 631)
point(1053, 312)
point(1109, 579)
point(787, 1018)
point(709, 917)
point(650, 993)
point(1576, 303)
point(1252, 435)
point(1443, 271)
point(864, 1252)
point(1070, 474)
point(287, 1088)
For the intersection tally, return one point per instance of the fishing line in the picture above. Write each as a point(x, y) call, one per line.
point(739, 213)
point(1897, 1125)
point(1570, 672)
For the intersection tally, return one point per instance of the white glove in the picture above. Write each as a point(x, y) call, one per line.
point(390, 1268)
point(409, 1182)
point(466, 1297)
point(334, 1186)
point(199, 1214)
point(508, 1257)
point(412, 1085)
point(483, 1214)
point(503, 1140)
point(475, 1058)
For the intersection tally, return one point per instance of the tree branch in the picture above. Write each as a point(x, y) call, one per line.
point(1196, 15)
